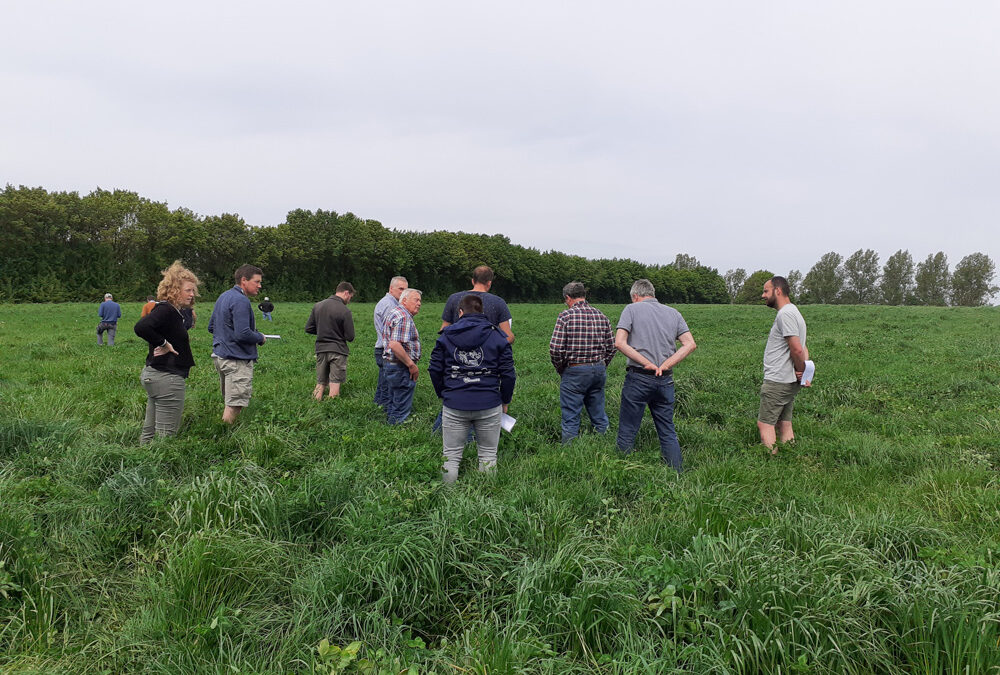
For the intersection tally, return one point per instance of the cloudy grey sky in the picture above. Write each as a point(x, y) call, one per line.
point(756, 135)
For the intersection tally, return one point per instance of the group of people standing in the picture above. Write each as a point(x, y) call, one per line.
point(471, 366)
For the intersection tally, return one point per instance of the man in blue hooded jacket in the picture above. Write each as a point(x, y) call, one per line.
point(472, 370)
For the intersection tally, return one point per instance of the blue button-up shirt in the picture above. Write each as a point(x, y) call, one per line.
point(233, 326)
point(382, 309)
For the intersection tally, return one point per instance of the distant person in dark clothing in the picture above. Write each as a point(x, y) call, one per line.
point(109, 313)
point(266, 308)
point(169, 359)
point(333, 325)
point(472, 370)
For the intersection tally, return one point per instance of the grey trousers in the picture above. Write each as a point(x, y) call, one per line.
point(164, 403)
point(112, 329)
point(455, 429)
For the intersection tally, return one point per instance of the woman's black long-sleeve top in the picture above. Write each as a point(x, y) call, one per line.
point(164, 323)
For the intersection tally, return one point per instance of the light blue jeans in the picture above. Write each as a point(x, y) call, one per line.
point(455, 425)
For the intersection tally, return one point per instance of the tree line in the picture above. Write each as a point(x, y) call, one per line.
point(59, 246)
point(859, 280)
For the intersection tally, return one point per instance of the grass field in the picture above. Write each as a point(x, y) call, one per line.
point(871, 546)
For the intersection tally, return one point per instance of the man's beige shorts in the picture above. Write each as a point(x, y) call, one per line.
point(236, 378)
point(777, 399)
point(331, 368)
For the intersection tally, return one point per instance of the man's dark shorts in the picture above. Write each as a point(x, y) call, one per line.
point(776, 401)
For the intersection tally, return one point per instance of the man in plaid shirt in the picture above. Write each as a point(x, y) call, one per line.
point(401, 355)
point(581, 348)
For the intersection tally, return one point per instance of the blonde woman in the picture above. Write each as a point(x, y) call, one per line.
point(169, 359)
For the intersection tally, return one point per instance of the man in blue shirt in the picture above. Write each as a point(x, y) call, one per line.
point(388, 303)
point(109, 312)
point(234, 346)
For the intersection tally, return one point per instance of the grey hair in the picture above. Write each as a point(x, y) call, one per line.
point(574, 289)
point(396, 280)
point(408, 292)
point(643, 288)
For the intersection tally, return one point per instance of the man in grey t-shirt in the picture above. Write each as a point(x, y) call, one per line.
point(784, 360)
point(647, 335)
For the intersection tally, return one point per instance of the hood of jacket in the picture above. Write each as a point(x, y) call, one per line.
point(469, 332)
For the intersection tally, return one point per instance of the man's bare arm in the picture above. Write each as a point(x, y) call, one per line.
point(621, 343)
point(687, 346)
point(505, 327)
point(798, 353)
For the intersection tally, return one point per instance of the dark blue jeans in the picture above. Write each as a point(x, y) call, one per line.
point(641, 390)
point(582, 386)
point(381, 391)
point(400, 389)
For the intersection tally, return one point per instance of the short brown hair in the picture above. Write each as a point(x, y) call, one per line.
point(345, 286)
point(782, 283)
point(482, 275)
point(470, 304)
point(246, 272)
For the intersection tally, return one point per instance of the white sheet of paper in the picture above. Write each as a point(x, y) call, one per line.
point(507, 422)
point(808, 373)
point(271, 337)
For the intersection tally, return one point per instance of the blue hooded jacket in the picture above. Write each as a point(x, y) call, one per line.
point(472, 365)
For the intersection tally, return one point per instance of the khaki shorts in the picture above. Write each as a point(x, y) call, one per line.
point(236, 378)
point(331, 368)
point(776, 401)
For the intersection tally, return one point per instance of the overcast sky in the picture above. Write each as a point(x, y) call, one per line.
point(748, 134)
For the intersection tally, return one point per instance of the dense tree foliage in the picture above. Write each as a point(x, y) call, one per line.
point(753, 287)
point(734, 282)
point(794, 280)
point(825, 280)
point(933, 281)
point(58, 246)
point(897, 278)
point(971, 283)
point(861, 274)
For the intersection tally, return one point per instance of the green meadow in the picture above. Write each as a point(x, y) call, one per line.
point(311, 538)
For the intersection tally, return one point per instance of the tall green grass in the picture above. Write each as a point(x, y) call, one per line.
point(870, 546)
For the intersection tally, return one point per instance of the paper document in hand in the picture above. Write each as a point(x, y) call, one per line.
point(271, 337)
point(808, 373)
point(507, 422)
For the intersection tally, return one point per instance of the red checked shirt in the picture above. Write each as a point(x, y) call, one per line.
point(399, 326)
point(582, 335)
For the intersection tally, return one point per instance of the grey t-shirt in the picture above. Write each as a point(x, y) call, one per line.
point(653, 329)
point(778, 366)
